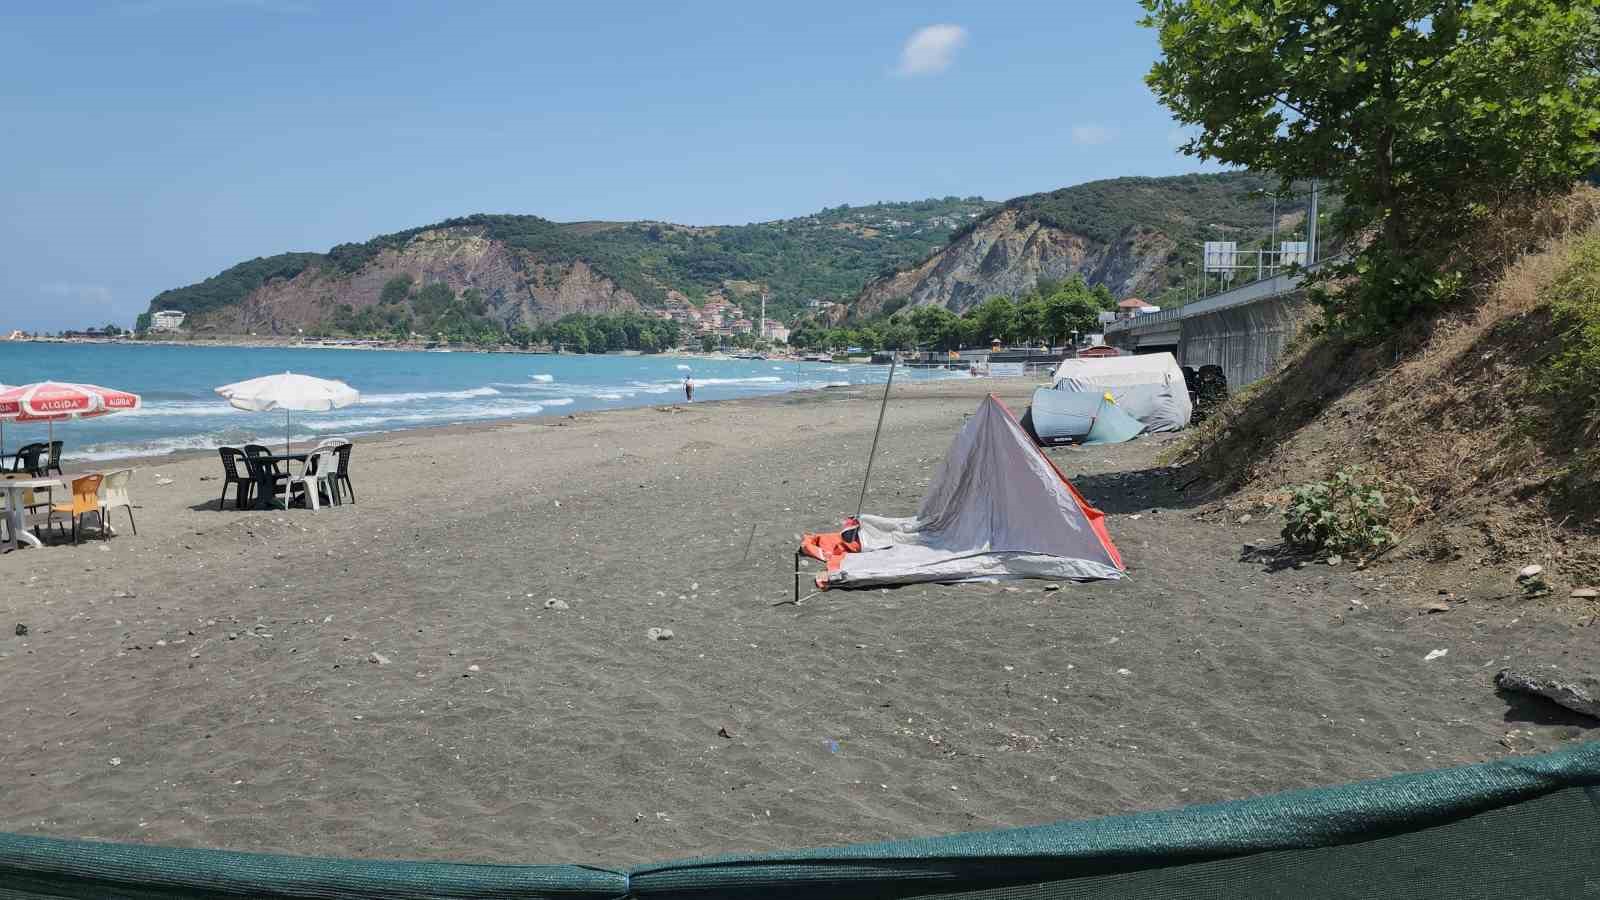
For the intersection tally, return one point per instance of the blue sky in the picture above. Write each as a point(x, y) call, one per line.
point(152, 143)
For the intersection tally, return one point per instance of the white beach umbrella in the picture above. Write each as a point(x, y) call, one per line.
point(289, 392)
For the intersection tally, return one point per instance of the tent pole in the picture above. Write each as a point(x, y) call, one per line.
point(893, 359)
point(285, 432)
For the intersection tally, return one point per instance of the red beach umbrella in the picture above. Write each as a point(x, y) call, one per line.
point(52, 401)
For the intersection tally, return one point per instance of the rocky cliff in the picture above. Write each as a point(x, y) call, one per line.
point(1133, 235)
point(517, 289)
point(1006, 255)
point(526, 270)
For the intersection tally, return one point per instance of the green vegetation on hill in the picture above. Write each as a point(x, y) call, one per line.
point(583, 333)
point(1570, 382)
point(1051, 314)
point(829, 255)
point(234, 284)
point(1186, 208)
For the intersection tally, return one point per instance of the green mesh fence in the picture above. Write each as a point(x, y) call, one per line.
point(1526, 827)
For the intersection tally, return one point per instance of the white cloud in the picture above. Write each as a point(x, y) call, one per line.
point(931, 49)
point(95, 292)
point(1089, 135)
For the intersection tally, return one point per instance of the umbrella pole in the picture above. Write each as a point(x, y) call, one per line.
point(875, 432)
point(286, 432)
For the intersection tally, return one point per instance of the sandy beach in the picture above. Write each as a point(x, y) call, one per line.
point(211, 681)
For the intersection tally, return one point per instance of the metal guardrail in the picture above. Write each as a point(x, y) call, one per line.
point(1272, 286)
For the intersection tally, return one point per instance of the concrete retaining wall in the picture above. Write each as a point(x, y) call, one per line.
point(1245, 340)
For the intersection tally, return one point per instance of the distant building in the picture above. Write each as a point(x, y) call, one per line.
point(167, 320)
point(17, 335)
point(1129, 308)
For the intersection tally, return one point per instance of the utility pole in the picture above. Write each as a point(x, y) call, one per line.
point(1311, 227)
point(1277, 258)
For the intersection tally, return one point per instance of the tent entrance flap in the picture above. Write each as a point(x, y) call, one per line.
point(997, 508)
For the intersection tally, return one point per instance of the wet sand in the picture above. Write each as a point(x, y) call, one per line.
point(223, 659)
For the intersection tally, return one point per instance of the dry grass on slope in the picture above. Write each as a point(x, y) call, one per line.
point(1459, 408)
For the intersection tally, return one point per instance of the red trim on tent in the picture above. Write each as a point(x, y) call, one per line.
point(1097, 519)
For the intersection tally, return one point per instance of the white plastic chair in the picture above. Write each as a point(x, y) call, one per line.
point(317, 474)
point(8, 541)
point(114, 495)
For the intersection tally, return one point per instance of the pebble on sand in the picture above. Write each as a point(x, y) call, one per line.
point(1434, 654)
point(1527, 572)
point(553, 603)
point(378, 658)
point(659, 634)
point(1585, 593)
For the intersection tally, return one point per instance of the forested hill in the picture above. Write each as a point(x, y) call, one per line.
point(1136, 236)
point(527, 269)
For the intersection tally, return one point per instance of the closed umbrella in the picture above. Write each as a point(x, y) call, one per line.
point(289, 392)
point(52, 401)
point(3, 389)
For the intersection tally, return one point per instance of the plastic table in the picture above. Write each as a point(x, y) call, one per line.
point(14, 488)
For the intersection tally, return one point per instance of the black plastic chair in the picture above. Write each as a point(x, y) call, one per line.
point(343, 476)
point(30, 458)
point(54, 462)
point(266, 471)
point(233, 459)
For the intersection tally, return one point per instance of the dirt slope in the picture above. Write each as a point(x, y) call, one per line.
point(1447, 408)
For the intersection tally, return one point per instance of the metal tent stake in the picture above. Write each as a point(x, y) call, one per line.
point(860, 504)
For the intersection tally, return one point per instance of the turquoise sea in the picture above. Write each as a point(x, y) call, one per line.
point(399, 389)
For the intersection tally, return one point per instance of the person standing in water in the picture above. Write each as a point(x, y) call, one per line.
point(688, 389)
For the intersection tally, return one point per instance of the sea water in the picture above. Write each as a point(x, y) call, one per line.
point(399, 389)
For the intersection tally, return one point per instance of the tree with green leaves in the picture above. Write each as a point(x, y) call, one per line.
point(1067, 311)
point(395, 290)
point(897, 334)
point(1426, 115)
point(995, 319)
point(937, 328)
point(1031, 320)
point(1103, 297)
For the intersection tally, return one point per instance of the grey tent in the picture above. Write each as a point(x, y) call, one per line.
point(997, 508)
point(1149, 387)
